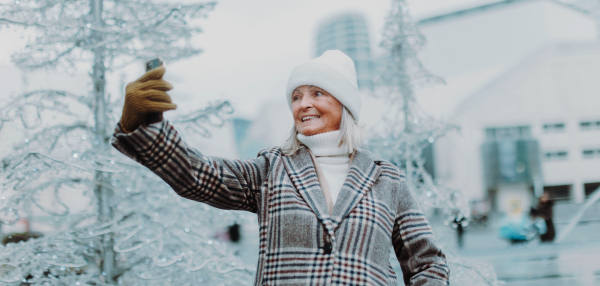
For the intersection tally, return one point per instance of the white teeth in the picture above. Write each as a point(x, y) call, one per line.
point(309, 118)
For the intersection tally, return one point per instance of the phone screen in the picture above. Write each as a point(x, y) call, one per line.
point(152, 64)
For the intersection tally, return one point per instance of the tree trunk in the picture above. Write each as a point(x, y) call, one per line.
point(102, 180)
point(407, 94)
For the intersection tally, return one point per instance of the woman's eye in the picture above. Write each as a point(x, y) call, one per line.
point(318, 93)
point(295, 98)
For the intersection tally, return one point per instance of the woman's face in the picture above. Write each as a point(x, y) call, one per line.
point(315, 110)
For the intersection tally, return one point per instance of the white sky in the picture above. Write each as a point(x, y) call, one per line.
point(252, 46)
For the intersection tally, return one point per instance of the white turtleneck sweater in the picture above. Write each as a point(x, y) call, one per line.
point(334, 160)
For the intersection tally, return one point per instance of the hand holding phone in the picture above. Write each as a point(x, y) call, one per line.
point(146, 98)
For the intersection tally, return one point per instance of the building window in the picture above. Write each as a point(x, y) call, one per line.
point(512, 132)
point(589, 125)
point(554, 127)
point(559, 193)
point(590, 153)
point(556, 155)
point(590, 188)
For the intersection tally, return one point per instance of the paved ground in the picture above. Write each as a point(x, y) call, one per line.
point(546, 264)
point(575, 261)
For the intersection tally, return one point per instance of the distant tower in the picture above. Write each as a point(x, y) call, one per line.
point(348, 33)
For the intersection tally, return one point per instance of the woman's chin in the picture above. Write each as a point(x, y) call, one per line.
point(310, 131)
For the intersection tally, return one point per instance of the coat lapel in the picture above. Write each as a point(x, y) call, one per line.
point(362, 175)
point(302, 172)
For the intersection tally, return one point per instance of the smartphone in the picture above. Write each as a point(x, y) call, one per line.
point(154, 116)
point(152, 64)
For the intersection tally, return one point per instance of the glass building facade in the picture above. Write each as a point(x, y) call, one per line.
point(348, 33)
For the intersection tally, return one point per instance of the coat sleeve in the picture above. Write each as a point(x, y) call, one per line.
point(421, 260)
point(221, 183)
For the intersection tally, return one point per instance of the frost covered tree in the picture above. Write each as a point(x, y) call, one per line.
point(407, 130)
point(135, 230)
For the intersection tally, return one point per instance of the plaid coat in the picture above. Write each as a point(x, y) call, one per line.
point(300, 242)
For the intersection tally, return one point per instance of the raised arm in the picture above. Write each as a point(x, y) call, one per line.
point(143, 136)
point(222, 183)
point(422, 262)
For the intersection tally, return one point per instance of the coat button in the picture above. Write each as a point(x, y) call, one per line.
point(327, 248)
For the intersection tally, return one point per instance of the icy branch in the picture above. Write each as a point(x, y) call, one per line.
point(213, 115)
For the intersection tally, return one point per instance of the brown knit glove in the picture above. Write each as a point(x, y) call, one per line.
point(145, 100)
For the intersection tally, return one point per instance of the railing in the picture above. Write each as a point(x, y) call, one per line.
point(564, 212)
point(589, 208)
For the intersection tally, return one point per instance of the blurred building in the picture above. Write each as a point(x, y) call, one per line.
point(349, 34)
point(522, 85)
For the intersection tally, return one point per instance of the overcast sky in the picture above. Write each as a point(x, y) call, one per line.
point(250, 47)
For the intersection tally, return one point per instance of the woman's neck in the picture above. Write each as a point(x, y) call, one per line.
point(324, 144)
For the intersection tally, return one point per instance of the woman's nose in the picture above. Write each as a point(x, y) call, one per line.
point(306, 102)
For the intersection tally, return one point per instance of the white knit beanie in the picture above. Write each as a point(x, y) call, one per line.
point(334, 72)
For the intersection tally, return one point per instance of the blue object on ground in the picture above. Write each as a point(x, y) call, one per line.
point(522, 230)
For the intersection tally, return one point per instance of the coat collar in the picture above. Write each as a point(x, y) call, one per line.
point(361, 176)
point(303, 174)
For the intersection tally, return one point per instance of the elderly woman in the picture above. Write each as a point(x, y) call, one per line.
point(328, 210)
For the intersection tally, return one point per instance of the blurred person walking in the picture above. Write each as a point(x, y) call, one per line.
point(460, 231)
point(544, 210)
point(329, 211)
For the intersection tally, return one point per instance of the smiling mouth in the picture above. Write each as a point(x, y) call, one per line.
point(308, 118)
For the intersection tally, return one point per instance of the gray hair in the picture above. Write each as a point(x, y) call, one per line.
point(351, 135)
